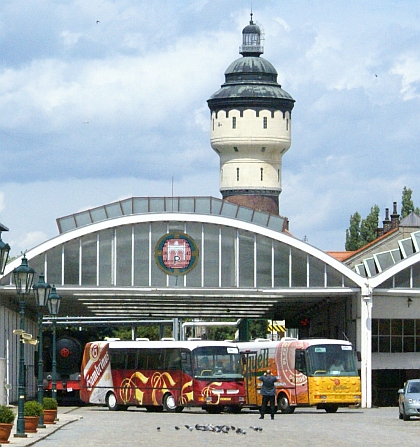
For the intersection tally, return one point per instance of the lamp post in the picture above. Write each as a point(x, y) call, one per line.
point(53, 306)
point(23, 277)
point(42, 291)
point(4, 250)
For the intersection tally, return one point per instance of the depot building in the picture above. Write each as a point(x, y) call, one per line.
point(149, 258)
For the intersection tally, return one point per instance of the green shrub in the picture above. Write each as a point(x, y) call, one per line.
point(50, 403)
point(7, 416)
point(32, 408)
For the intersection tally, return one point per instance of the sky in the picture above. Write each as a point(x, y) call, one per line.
point(101, 100)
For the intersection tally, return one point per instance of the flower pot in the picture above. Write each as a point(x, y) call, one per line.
point(50, 416)
point(5, 430)
point(31, 424)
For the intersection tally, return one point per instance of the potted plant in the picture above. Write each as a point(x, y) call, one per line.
point(7, 417)
point(50, 410)
point(32, 412)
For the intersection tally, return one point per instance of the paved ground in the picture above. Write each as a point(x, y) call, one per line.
point(97, 426)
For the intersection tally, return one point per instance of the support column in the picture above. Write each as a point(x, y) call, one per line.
point(366, 346)
point(175, 328)
point(243, 329)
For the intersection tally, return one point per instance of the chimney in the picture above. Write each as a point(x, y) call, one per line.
point(387, 222)
point(395, 217)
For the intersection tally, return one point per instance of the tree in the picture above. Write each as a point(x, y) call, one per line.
point(360, 234)
point(353, 233)
point(369, 226)
point(407, 205)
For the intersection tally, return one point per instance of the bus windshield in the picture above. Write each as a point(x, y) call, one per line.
point(217, 362)
point(331, 359)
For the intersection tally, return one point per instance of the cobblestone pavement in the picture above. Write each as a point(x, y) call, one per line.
point(97, 426)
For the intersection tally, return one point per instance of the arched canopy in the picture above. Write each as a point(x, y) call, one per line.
point(113, 267)
point(402, 277)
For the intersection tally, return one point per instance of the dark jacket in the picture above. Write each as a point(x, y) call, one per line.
point(268, 388)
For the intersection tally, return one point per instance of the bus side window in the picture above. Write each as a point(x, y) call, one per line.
point(131, 359)
point(117, 358)
point(172, 359)
point(154, 359)
point(142, 359)
point(186, 362)
point(300, 362)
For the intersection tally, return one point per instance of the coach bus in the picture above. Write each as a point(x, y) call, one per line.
point(163, 375)
point(316, 372)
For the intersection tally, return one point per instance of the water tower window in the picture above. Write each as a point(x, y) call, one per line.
point(262, 173)
point(287, 124)
point(237, 174)
point(265, 122)
point(234, 122)
point(235, 149)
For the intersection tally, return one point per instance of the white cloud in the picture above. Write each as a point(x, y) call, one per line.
point(93, 112)
point(408, 68)
point(69, 38)
point(30, 240)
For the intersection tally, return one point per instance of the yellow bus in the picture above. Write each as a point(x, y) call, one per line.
point(318, 373)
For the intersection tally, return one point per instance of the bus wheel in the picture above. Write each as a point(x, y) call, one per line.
point(169, 403)
point(331, 408)
point(284, 405)
point(111, 401)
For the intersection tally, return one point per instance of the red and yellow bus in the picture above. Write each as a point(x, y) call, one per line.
point(163, 375)
point(313, 372)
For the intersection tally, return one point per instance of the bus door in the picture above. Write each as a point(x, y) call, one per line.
point(301, 378)
point(249, 361)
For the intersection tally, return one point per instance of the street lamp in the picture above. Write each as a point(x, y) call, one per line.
point(53, 306)
point(23, 277)
point(4, 251)
point(42, 290)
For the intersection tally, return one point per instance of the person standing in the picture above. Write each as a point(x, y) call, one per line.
point(268, 392)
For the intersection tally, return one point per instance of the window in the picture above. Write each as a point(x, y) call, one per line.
point(262, 173)
point(234, 122)
point(154, 358)
point(237, 174)
point(235, 149)
point(265, 122)
point(172, 359)
point(287, 123)
point(396, 335)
